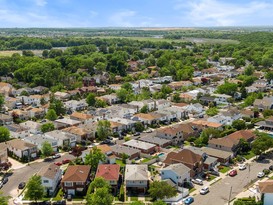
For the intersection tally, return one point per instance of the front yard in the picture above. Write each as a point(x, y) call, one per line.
point(249, 155)
point(223, 169)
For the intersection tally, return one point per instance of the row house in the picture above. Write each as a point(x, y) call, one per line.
point(33, 99)
point(66, 122)
point(5, 119)
point(83, 117)
point(144, 147)
point(21, 148)
point(61, 96)
point(173, 133)
point(75, 105)
point(32, 126)
point(136, 177)
point(18, 131)
point(132, 153)
point(40, 139)
point(80, 133)
point(63, 139)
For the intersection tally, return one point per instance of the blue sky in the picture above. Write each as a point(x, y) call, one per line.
point(135, 13)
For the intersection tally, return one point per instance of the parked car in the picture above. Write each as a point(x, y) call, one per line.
point(260, 175)
point(271, 168)
point(242, 166)
point(204, 190)
point(188, 200)
point(62, 202)
point(56, 156)
point(5, 180)
point(137, 134)
point(197, 181)
point(21, 185)
point(65, 161)
point(58, 163)
point(233, 173)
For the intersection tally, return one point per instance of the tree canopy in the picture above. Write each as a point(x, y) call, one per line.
point(4, 134)
point(94, 157)
point(103, 129)
point(34, 188)
point(46, 149)
point(161, 189)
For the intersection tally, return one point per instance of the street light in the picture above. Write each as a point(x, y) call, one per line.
point(229, 195)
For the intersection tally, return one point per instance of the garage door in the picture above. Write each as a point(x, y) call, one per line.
point(71, 191)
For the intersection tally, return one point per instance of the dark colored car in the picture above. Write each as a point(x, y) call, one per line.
point(58, 163)
point(233, 173)
point(21, 185)
point(65, 161)
point(59, 202)
point(271, 167)
point(5, 180)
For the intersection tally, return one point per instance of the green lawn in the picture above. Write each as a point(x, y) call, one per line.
point(59, 195)
point(187, 143)
point(249, 155)
point(192, 190)
point(211, 177)
point(145, 160)
point(118, 161)
point(134, 198)
point(224, 169)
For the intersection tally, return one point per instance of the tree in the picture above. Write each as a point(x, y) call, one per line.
point(91, 99)
point(99, 183)
point(261, 144)
point(51, 115)
point(4, 200)
point(4, 134)
point(122, 94)
point(212, 111)
point(227, 88)
point(100, 103)
point(100, 197)
point(267, 113)
point(94, 157)
point(144, 109)
point(58, 106)
point(103, 129)
point(139, 127)
point(127, 86)
point(35, 189)
point(2, 101)
point(43, 101)
point(161, 189)
point(46, 149)
point(239, 124)
point(176, 98)
point(243, 146)
point(47, 127)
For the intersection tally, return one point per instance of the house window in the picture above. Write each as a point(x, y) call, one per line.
point(79, 183)
point(68, 184)
point(45, 181)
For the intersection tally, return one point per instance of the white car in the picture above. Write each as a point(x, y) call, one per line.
point(242, 166)
point(204, 190)
point(260, 175)
point(197, 181)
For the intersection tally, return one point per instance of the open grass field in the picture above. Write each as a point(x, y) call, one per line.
point(9, 53)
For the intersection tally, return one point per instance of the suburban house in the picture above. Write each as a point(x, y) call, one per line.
point(21, 148)
point(205, 124)
point(264, 104)
point(76, 179)
point(3, 154)
point(177, 173)
point(267, 124)
point(107, 151)
point(151, 104)
point(132, 153)
point(63, 139)
point(18, 131)
point(221, 98)
point(173, 133)
point(75, 105)
point(5, 119)
point(223, 157)
point(266, 190)
point(5, 89)
point(40, 139)
point(151, 138)
point(187, 157)
point(84, 118)
point(147, 118)
point(109, 172)
point(61, 96)
point(37, 112)
point(144, 147)
point(136, 177)
point(109, 99)
point(80, 133)
point(66, 122)
point(230, 142)
point(32, 126)
point(51, 175)
point(162, 103)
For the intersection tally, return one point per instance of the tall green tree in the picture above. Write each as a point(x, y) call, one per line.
point(4, 200)
point(161, 189)
point(47, 127)
point(139, 127)
point(103, 129)
point(99, 183)
point(144, 109)
point(239, 124)
point(91, 99)
point(227, 88)
point(100, 197)
point(261, 144)
point(58, 106)
point(51, 115)
point(34, 188)
point(94, 157)
point(4, 134)
point(46, 149)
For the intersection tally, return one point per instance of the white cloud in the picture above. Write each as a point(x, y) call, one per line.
point(217, 13)
point(122, 18)
point(40, 2)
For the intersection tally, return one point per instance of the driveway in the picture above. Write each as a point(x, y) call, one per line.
point(219, 192)
point(24, 173)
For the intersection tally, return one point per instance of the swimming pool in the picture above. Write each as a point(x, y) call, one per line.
point(161, 154)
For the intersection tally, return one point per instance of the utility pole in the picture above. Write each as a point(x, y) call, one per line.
point(229, 195)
